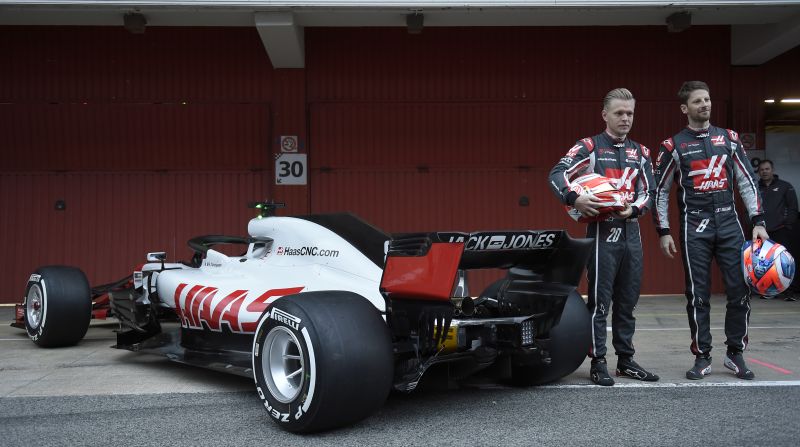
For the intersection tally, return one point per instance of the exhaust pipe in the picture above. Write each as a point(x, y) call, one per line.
point(460, 296)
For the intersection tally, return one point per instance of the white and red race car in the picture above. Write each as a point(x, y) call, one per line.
point(328, 314)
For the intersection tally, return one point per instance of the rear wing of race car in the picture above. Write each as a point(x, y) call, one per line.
point(425, 265)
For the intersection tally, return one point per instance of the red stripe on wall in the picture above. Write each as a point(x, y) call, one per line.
point(511, 63)
point(109, 64)
point(113, 219)
point(446, 129)
point(133, 137)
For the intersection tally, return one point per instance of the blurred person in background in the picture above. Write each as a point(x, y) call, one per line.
point(780, 214)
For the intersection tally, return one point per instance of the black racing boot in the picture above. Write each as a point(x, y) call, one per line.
point(626, 367)
point(735, 362)
point(702, 367)
point(599, 372)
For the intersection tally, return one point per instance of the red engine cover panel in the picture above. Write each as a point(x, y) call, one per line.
point(429, 277)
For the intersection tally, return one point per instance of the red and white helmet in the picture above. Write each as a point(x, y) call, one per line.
point(767, 266)
point(601, 188)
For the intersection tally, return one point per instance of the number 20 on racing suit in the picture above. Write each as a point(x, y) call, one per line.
point(615, 266)
point(704, 165)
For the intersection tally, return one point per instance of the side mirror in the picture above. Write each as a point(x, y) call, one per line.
point(157, 256)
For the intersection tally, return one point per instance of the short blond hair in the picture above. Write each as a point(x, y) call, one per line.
point(621, 93)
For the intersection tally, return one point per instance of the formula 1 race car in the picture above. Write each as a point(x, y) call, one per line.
point(328, 314)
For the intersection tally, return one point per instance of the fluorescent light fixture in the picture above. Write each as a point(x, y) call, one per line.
point(415, 22)
point(769, 101)
point(790, 100)
point(134, 22)
point(679, 21)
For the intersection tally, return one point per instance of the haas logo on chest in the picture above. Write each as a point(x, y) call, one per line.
point(719, 140)
point(709, 174)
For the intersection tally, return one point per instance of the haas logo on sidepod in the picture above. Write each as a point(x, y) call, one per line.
point(199, 304)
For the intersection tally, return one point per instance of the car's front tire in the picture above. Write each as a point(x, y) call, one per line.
point(322, 360)
point(58, 306)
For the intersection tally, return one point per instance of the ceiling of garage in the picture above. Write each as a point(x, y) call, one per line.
point(761, 30)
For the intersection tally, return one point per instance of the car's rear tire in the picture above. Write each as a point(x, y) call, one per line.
point(322, 360)
point(568, 346)
point(58, 306)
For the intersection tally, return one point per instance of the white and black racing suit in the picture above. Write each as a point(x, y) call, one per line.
point(704, 164)
point(615, 266)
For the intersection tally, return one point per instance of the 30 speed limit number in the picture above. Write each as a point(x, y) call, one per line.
point(290, 169)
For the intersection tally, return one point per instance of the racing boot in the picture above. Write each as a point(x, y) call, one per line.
point(702, 367)
point(626, 367)
point(599, 372)
point(735, 362)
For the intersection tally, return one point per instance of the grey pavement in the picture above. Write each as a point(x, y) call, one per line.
point(89, 394)
point(661, 341)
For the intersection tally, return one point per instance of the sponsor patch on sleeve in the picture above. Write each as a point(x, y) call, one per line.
point(573, 151)
point(589, 143)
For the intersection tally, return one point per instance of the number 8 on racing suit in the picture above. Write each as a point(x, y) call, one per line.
point(615, 266)
point(704, 165)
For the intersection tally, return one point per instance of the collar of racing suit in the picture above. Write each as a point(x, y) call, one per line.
point(615, 140)
point(699, 133)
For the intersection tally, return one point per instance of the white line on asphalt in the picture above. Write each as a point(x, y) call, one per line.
point(86, 339)
point(766, 383)
point(608, 328)
point(683, 314)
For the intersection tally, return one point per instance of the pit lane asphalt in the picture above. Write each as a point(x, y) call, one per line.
point(92, 395)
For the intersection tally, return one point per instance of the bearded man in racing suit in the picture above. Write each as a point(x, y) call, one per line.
point(704, 160)
point(615, 266)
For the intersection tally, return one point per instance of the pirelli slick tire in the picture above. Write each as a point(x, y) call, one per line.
point(58, 306)
point(568, 345)
point(322, 360)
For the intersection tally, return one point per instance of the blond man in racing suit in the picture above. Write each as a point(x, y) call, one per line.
point(615, 265)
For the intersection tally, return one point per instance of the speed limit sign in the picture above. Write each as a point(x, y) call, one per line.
point(290, 169)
